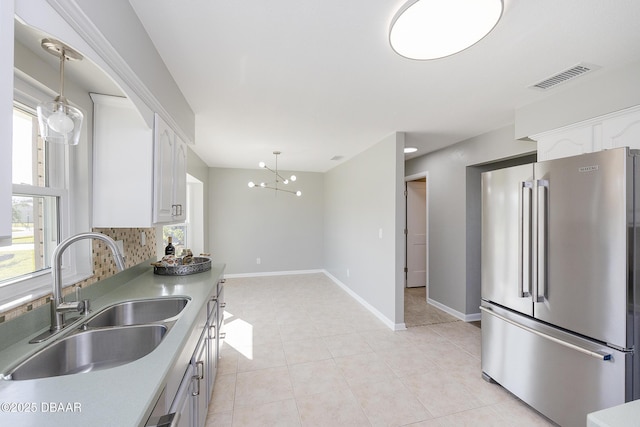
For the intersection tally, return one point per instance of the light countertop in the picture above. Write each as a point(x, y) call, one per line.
point(120, 396)
point(625, 415)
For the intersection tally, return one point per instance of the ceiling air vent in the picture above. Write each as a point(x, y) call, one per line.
point(564, 76)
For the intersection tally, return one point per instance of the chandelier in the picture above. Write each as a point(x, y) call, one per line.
point(278, 179)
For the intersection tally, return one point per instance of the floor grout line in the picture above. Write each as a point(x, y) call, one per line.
point(244, 300)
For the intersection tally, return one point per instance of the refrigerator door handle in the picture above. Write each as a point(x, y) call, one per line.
point(542, 216)
point(524, 240)
point(600, 355)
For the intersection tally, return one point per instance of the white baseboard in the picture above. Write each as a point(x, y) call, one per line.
point(393, 326)
point(464, 317)
point(272, 273)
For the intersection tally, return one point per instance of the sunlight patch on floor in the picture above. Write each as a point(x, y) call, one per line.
point(239, 335)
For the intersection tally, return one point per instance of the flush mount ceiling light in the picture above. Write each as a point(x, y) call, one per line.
point(278, 179)
point(408, 150)
point(60, 122)
point(432, 29)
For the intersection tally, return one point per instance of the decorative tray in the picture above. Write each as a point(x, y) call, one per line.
point(198, 265)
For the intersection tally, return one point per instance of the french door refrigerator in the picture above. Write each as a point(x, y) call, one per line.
point(560, 287)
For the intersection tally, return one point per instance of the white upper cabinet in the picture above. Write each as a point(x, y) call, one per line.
point(6, 118)
point(122, 164)
point(163, 164)
point(622, 131)
point(139, 174)
point(619, 129)
point(170, 183)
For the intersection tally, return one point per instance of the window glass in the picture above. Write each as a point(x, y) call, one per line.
point(178, 232)
point(28, 150)
point(35, 207)
point(34, 236)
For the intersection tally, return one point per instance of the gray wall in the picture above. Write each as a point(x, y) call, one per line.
point(283, 230)
point(199, 169)
point(363, 196)
point(450, 283)
point(605, 92)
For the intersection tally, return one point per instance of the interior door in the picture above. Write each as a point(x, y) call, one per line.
point(506, 237)
point(582, 215)
point(416, 234)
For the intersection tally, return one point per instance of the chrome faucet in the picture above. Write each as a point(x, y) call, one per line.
point(58, 306)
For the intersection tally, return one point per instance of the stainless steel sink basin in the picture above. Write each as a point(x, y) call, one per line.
point(89, 351)
point(138, 312)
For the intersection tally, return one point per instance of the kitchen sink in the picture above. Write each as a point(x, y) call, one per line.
point(138, 312)
point(91, 350)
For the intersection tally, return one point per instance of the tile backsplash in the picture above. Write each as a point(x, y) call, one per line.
point(103, 264)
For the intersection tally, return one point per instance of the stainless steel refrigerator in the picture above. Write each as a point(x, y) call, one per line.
point(560, 286)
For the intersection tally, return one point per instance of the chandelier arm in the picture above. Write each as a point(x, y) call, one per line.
point(279, 189)
point(281, 177)
point(269, 169)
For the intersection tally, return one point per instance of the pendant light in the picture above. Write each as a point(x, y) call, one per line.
point(432, 29)
point(60, 122)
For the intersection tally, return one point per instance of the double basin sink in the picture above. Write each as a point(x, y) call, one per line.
point(114, 336)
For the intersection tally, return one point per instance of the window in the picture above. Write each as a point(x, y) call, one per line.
point(190, 233)
point(36, 201)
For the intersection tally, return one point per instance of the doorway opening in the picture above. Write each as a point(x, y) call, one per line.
point(417, 310)
point(474, 225)
point(415, 270)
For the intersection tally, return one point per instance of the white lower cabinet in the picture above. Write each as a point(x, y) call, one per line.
point(200, 379)
point(182, 407)
point(191, 402)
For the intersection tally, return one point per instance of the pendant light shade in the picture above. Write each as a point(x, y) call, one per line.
point(432, 29)
point(60, 122)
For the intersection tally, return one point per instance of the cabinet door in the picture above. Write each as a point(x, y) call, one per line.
point(121, 141)
point(566, 143)
point(179, 200)
point(212, 350)
point(164, 146)
point(182, 406)
point(623, 131)
point(200, 377)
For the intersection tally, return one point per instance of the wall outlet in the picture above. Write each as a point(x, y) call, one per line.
point(348, 274)
point(258, 260)
point(143, 239)
point(380, 233)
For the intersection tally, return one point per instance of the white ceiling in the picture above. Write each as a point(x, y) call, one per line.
point(317, 78)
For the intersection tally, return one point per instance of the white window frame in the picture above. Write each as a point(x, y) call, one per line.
point(77, 261)
point(194, 221)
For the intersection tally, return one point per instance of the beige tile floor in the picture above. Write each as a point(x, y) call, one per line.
point(299, 351)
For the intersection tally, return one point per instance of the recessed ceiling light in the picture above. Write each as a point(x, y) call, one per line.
point(432, 29)
point(408, 150)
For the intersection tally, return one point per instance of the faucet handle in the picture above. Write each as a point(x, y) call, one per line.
point(66, 307)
